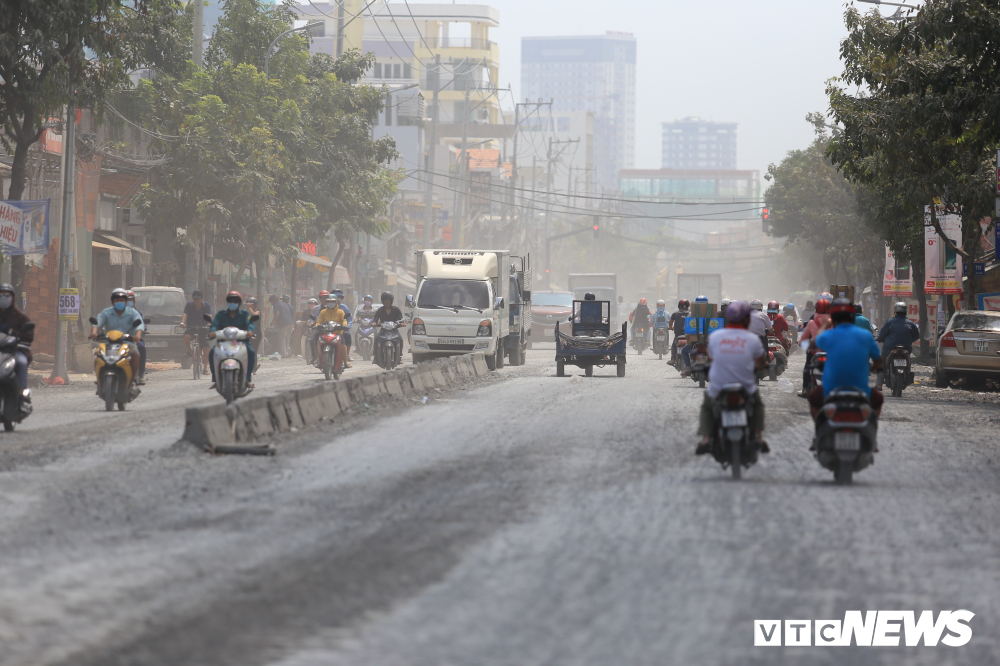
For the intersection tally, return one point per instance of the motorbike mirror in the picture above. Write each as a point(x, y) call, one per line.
point(137, 322)
point(498, 304)
point(28, 326)
point(254, 318)
point(409, 300)
point(207, 318)
point(93, 320)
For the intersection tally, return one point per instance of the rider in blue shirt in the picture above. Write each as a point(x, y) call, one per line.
point(233, 316)
point(897, 332)
point(120, 317)
point(848, 349)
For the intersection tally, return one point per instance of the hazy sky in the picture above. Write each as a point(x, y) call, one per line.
point(760, 63)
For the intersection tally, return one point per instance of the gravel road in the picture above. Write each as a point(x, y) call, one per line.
point(524, 519)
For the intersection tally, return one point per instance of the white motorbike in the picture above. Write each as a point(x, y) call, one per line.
point(230, 360)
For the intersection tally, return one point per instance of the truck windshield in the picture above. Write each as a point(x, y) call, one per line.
point(552, 300)
point(470, 293)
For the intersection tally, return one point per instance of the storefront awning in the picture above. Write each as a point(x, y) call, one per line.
point(136, 255)
point(314, 260)
point(340, 274)
point(119, 255)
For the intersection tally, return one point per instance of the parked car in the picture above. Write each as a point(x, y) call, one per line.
point(163, 307)
point(969, 347)
point(548, 307)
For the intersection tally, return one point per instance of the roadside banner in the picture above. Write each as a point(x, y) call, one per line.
point(24, 226)
point(989, 301)
point(942, 265)
point(896, 281)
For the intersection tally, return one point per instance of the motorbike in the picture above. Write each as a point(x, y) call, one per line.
point(388, 345)
point(331, 358)
point(777, 360)
point(793, 331)
point(661, 336)
point(679, 363)
point(639, 339)
point(113, 370)
point(230, 360)
point(699, 363)
point(733, 443)
point(16, 403)
point(815, 367)
point(845, 434)
point(365, 335)
point(897, 371)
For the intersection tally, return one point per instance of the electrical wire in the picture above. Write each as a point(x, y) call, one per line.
point(155, 135)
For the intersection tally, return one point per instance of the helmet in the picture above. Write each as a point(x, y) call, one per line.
point(683, 304)
point(252, 300)
point(725, 301)
point(899, 307)
point(368, 297)
point(131, 294)
point(589, 297)
point(6, 286)
point(323, 294)
point(772, 307)
point(701, 299)
point(387, 294)
point(234, 295)
point(790, 306)
point(842, 310)
point(737, 311)
point(312, 301)
point(723, 305)
point(332, 298)
point(642, 301)
point(661, 303)
point(823, 306)
point(827, 295)
point(118, 293)
point(756, 304)
point(286, 298)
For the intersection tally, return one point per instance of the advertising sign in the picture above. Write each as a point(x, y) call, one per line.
point(989, 301)
point(69, 304)
point(896, 281)
point(24, 226)
point(942, 265)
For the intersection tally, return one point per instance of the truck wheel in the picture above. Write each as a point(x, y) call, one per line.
point(621, 367)
point(491, 361)
point(589, 371)
point(560, 368)
point(515, 355)
point(500, 346)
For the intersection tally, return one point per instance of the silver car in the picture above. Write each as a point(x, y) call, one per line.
point(969, 347)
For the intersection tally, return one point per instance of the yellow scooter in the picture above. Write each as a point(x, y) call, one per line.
point(113, 370)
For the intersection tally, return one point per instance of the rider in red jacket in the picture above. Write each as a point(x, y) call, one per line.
point(779, 323)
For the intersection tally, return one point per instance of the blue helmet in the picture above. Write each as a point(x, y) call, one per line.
point(790, 306)
point(701, 299)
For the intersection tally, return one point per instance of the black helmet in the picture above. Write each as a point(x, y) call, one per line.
point(252, 300)
point(385, 295)
point(842, 311)
point(115, 293)
point(589, 297)
point(857, 308)
point(683, 304)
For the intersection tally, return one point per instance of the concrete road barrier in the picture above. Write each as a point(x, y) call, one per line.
point(234, 428)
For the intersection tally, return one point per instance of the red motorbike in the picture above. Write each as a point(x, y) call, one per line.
point(331, 349)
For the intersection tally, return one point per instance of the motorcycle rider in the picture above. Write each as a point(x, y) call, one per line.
point(847, 352)
point(313, 315)
point(350, 322)
point(760, 324)
point(120, 317)
point(722, 307)
point(808, 311)
point(332, 312)
point(282, 319)
point(640, 320)
point(233, 315)
point(660, 317)
point(13, 318)
point(778, 324)
point(788, 312)
point(677, 326)
point(812, 329)
point(736, 354)
point(686, 352)
point(860, 321)
point(898, 331)
point(388, 312)
point(194, 311)
point(141, 344)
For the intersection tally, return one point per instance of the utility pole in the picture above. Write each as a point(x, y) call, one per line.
point(68, 201)
point(462, 156)
point(434, 79)
point(198, 32)
point(340, 27)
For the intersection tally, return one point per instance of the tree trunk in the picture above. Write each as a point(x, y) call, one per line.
point(239, 273)
point(261, 276)
point(828, 268)
point(342, 244)
point(917, 271)
point(18, 181)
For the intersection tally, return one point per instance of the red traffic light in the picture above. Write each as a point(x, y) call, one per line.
point(765, 213)
point(597, 227)
point(546, 270)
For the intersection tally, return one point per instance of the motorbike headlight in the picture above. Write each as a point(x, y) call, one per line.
point(231, 333)
point(8, 366)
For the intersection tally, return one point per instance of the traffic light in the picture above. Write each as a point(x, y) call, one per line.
point(765, 214)
point(597, 231)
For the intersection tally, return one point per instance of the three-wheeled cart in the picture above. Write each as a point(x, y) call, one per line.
point(591, 341)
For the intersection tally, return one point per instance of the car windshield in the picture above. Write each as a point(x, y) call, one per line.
point(470, 293)
point(152, 303)
point(552, 300)
point(975, 322)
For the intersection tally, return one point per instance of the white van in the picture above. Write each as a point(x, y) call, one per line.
point(461, 305)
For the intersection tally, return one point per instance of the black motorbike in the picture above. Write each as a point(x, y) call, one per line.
point(733, 441)
point(846, 432)
point(15, 402)
point(388, 345)
point(364, 336)
point(814, 367)
point(898, 374)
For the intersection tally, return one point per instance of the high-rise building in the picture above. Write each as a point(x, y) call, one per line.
point(693, 143)
point(595, 74)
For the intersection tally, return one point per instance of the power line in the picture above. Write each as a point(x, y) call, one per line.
point(155, 135)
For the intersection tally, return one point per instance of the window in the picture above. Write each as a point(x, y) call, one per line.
point(106, 212)
point(378, 70)
point(397, 71)
point(407, 71)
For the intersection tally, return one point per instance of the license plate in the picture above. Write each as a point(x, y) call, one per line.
point(899, 362)
point(451, 341)
point(847, 441)
point(734, 419)
point(156, 343)
point(981, 346)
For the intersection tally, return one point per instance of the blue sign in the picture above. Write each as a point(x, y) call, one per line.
point(702, 325)
point(979, 268)
point(691, 325)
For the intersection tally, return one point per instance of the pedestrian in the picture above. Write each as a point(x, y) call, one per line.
point(282, 319)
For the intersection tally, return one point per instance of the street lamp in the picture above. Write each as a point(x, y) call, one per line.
point(267, 56)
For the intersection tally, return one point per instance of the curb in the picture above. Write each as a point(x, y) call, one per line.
point(235, 428)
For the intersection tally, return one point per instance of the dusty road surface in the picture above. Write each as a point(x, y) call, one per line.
point(524, 519)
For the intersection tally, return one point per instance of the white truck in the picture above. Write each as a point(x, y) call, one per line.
point(462, 304)
point(693, 285)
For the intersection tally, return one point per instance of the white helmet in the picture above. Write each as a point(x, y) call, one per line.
point(661, 303)
point(756, 304)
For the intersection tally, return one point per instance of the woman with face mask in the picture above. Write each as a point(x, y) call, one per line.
point(13, 318)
